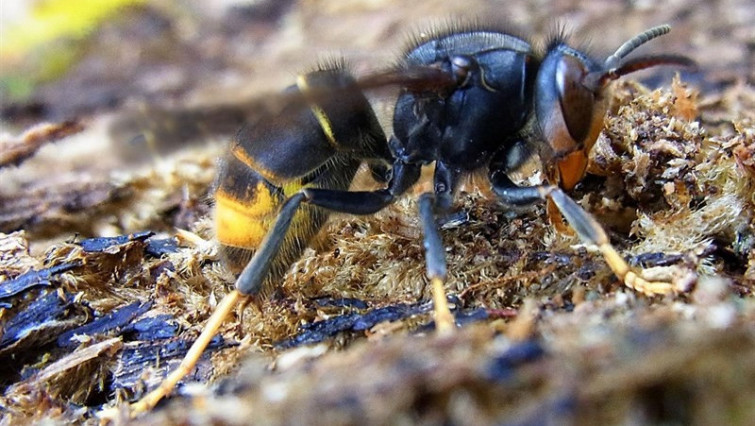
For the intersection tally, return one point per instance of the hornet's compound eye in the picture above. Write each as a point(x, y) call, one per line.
point(570, 114)
point(576, 101)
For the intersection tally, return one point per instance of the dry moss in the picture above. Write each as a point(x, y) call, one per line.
point(689, 189)
point(671, 177)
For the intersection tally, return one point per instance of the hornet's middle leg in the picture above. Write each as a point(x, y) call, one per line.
point(430, 204)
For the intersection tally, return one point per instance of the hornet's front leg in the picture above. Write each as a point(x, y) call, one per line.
point(586, 227)
point(590, 232)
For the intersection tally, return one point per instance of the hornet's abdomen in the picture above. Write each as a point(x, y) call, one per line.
point(279, 155)
point(247, 204)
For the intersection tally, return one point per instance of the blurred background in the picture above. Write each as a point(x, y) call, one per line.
point(135, 80)
point(144, 78)
point(60, 60)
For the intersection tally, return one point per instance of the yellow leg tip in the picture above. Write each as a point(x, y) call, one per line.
point(648, 288)
point(631, 278)
point(444, 319)
point(150, 400)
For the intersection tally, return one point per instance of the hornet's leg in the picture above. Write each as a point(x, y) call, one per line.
point(249, 283)
point(590, 232)
point(370, 202)
point(192, 356)
point(439, 201)
point(365, 202)
point(587, 228)
point(435, 261)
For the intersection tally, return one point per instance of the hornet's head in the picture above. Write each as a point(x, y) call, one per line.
point(571, 98)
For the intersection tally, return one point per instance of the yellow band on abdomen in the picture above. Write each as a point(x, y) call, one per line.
point(244, 223)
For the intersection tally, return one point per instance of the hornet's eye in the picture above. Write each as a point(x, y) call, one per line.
point(569, 113)
point(576, 101)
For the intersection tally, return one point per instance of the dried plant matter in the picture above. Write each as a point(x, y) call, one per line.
point(672, 178)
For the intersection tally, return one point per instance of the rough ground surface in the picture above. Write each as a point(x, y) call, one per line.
point(549, 336)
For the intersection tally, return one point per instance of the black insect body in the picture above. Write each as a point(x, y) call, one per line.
point(317, 147)
point(469, 100)
point(489, 103)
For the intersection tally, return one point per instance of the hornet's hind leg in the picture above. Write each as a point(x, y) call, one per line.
point(252, 279)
